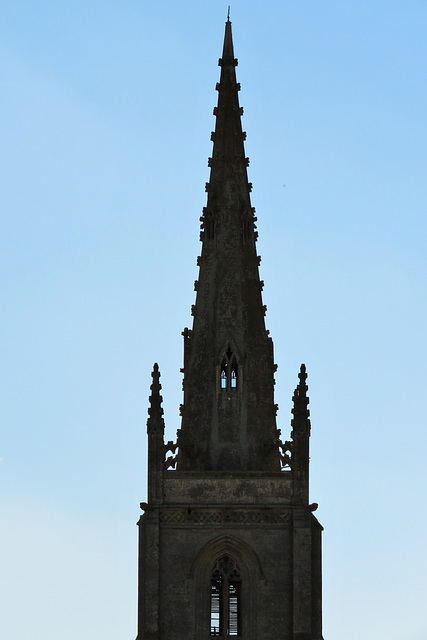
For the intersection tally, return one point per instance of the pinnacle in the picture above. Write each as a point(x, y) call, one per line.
point(300, 400)
point(155, 410)
point(302, 378)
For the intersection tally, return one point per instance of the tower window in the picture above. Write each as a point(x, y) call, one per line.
point(229, 370)
point(225, 599)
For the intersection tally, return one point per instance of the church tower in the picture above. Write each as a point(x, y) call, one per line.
point(228, 544)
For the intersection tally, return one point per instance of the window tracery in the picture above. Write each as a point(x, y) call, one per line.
point(229, 370)
point(225, 595)
point(236, 592)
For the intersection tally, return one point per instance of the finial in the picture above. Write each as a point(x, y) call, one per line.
point(302, 376)
point(228, 14)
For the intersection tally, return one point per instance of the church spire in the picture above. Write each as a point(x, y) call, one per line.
point(228, 543)
point(228, 414)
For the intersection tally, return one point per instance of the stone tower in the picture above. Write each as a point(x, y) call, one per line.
point(229, 546)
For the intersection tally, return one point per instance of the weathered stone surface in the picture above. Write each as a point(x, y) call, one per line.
point(243, 488)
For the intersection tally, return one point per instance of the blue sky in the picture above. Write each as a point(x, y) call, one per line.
point(105, 133)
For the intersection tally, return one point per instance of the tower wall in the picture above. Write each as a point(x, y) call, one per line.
point(250, 517)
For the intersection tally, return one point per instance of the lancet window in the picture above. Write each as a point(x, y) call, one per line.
point(225, 598)
point(229, 372)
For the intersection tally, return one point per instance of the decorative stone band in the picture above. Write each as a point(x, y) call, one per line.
point(201, 516)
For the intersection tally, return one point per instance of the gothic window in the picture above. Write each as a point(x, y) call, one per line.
point(225, 578)
point(225, 598)
point(229, 372)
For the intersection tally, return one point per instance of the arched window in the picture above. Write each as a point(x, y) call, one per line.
point(225, 578)
point(226, 607)
point(229, 371)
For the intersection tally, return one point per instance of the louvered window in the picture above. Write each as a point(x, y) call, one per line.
point(225, 599)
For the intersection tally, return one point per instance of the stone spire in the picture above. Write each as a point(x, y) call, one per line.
point(228, 543)
point(228, 414)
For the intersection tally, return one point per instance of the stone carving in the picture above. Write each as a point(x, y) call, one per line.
point(225, 516)
point(170, 461)
point(285, 452)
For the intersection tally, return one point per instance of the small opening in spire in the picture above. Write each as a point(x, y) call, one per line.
point(229, 371)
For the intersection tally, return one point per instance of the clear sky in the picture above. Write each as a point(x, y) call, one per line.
point(106, 113)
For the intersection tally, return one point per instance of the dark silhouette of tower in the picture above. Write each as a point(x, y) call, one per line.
point(229, 546)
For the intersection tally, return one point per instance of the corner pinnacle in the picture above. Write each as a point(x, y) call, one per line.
point(300, 421)
point(155, 421)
